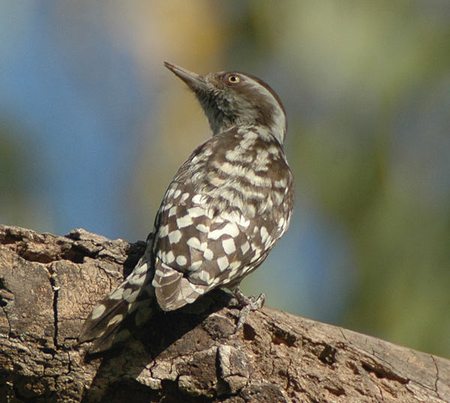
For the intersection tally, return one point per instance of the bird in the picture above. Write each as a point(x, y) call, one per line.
point(220, 216)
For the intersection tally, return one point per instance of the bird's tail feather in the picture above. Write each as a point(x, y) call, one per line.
point(135, 295)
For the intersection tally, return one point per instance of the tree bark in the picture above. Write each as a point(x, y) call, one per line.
point(49, 284)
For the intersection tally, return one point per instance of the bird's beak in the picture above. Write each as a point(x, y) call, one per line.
point(195, 81)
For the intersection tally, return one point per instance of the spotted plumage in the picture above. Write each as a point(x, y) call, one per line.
point(222, 213)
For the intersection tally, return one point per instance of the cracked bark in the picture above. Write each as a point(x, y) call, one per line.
point(48, 285)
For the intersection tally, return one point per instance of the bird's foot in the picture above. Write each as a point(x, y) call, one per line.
point(246, 305)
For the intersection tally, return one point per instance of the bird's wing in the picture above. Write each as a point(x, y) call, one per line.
point(198, 248)
point(218, 220)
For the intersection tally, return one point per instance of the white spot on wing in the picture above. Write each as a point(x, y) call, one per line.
point(126, 293)
point(196, 212)
point(98, 311)
point(208, 254)
point(170, 192)
point(142, 268)
point(199, 199)
point(202, 228)
point(236, 217)
point(282, 183)
point(136, 279)
point(163, 230)
point(234, 265)
point(175, 236)
point(184, 221)
point(115, 319)
point(195, 243)
point(264, 234)
point(195, 265)
point(184, 197)
point(204, 276)
point(228, 246)
point(133, 296)
point(223, 263)
point(245, 247)
point(117, 294)
point(170, 257)
point(229, 229)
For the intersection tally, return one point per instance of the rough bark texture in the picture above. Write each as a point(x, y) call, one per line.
point(48, 285)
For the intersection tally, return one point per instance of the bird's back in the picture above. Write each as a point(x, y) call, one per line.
point(222, 213)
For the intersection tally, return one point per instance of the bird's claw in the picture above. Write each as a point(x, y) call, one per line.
point(246, 305)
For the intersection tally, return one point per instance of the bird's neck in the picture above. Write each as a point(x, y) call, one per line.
point(262, 131)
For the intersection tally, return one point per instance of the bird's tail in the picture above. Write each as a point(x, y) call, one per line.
point(134, 296)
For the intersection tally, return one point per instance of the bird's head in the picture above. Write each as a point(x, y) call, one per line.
point(236, 99)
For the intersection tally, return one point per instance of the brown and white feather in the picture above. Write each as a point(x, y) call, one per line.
point(226, 207)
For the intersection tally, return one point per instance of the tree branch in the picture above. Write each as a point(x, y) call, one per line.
point(49, 284)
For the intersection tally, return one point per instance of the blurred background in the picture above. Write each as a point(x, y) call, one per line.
point(92, 129)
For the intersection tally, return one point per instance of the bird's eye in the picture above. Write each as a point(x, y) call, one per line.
point(233, 79)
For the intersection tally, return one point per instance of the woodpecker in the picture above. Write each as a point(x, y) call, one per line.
point(221, 215)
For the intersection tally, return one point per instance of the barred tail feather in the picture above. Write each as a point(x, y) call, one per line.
point(135, 295)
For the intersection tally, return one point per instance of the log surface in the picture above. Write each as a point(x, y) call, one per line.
point(49, 284)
